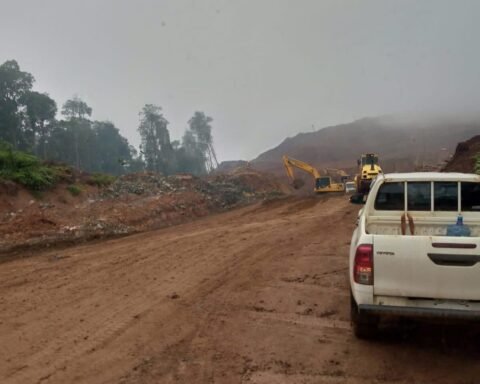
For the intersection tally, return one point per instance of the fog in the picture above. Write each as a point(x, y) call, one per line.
point(263, 69)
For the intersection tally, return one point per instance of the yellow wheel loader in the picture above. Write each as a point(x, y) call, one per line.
point(323, 184)
point(368, 170)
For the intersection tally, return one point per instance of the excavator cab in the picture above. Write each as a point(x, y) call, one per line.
point(322, 182)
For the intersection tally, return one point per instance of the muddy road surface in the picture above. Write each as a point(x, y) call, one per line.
point(256, 295)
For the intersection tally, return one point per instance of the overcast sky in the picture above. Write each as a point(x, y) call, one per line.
point(263, 69)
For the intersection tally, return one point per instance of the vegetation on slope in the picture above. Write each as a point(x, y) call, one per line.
point(37, 175)
point(26, 169)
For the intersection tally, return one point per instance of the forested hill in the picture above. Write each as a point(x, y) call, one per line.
point(402, 144)
point(29, 121)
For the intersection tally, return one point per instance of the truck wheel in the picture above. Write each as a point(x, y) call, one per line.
point(364, 326)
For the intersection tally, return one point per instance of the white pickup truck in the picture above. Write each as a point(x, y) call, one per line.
point(403, 263)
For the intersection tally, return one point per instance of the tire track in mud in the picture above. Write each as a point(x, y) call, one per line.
point(217, 305)
point(107, 321)
point(257, 295)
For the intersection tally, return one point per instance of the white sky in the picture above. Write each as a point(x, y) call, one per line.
point(263, 69)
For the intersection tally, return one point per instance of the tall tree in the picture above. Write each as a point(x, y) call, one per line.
point(155, 147)
point(14, 84)
point(40, 113)
point(202, 131)
point(76, 111)
point(190, 157)
point(112, 152)
point(76, 108)
point(27, 122)
point(101, 147)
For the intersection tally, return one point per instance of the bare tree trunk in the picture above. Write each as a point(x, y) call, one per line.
point(14, 140)
point(42, 130)
point(208, 160)
point(44, 149)
point(212, 150)
point(77, 155)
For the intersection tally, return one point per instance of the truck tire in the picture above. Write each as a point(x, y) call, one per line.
point(365, 326)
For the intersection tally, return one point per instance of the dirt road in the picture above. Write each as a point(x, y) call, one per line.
point(256, 295)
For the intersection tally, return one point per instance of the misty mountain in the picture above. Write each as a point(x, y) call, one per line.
point(403, 143)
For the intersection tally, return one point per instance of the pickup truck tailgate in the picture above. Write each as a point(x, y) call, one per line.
point(427, 267)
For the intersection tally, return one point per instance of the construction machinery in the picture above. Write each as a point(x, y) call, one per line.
point(339, 173)
point(368, 170)
point(323, 184)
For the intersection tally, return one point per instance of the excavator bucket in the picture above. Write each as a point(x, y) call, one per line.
point(298, 183)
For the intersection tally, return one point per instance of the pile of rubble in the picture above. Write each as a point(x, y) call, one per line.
point(145, 184)
point(221, 191)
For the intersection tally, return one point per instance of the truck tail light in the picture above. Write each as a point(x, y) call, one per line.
point(363, 265)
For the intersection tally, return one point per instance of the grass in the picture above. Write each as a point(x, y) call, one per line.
point(74, 190)
point(477, 164)
point(100, 180)
point(25, 169)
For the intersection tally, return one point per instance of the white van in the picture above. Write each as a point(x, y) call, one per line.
point(350, 187)
point(416, 250)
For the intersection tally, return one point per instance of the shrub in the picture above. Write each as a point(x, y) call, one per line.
point(100, 180)
point(25, 169)
point(75, 190)
point(477, 164)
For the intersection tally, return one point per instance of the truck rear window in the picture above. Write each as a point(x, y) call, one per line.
point(471, 197)
point(390, 197)
point(419, 196)
point(446, 196)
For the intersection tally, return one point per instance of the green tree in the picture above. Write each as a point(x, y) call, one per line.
point(76, 111)
point(201, 130)
point(60, 146)
point(14, 84)
point(101, 147)
point(40, 113)
point(76, 108)
point(136, 163)
point(112, 151)
point(191, 158)
point(155, 147)
point(73, 142)
point(27, 122)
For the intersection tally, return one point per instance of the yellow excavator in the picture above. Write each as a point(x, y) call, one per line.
point(368, 170)
point(323, 184)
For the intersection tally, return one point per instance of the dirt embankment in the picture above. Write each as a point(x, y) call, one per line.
point(465, 156)
point(257, 295)
point(133, 203)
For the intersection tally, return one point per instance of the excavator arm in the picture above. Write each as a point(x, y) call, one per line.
point(290, 163)
point(339, 172)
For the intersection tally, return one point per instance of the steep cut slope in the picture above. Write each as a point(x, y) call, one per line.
point(465, 157)
point(402, 144)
